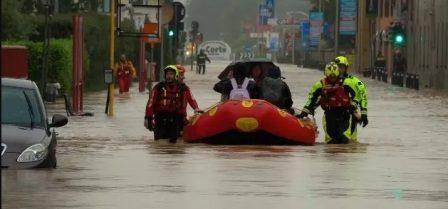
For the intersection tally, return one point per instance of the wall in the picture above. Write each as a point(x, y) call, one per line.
point(427, 42)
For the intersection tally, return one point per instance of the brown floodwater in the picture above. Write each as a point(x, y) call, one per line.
point(112, 162)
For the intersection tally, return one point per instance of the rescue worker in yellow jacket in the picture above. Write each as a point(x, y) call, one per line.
point(336, 99)
point(360, 95)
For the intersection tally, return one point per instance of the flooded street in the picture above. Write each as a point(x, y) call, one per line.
point(400, 162)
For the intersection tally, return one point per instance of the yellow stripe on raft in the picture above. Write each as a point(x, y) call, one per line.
point(282, 112)
point(246, 124)
point(247, 103)
point(213, 111)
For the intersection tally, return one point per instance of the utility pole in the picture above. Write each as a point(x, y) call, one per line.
point(111, 92)
point(336, 38)
point(46, 49)
point(319, 50)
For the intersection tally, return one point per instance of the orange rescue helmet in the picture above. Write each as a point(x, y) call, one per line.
point(180, 69)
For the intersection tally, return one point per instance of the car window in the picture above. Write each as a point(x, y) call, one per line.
point(15, 108)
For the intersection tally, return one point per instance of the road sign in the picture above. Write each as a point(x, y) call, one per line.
point(347, 17)
point(180, 10)
point(142, 14)
point(316, 20)
point(305, 33)
point(270, 6)
point(282, 21)
point(216, 50)
point(290, 21)
point(263, 15)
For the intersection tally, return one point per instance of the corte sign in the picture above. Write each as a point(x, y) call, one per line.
point(216, 50)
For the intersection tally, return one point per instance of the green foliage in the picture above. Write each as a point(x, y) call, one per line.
point(60, 27)
point(59, 61)
point(15, 25)
point(20, 24)
point(127, 45)
point(96, 45)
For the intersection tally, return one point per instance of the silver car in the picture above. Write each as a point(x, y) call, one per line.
point(28, 139)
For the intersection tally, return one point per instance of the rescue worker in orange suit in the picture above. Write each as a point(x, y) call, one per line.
point(125, 72)
point(187, 96)
point(162, 110)
point(336, 99)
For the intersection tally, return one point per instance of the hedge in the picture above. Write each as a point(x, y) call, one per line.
point(96, 49)
point(59, 61)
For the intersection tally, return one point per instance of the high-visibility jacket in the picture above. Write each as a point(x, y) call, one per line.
point(360, 91)
point(317, 93)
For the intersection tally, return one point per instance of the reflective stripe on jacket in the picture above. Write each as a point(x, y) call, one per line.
point(360, 91)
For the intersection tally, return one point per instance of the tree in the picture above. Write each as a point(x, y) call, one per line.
point(15, 25)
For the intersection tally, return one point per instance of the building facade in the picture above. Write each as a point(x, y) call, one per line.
point(426, 40)
point(427, 46)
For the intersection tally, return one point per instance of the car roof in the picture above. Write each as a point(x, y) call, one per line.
point(20, 83)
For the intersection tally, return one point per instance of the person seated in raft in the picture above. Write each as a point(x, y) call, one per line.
point(238, 87)
point(274, 90)
point(257, 74)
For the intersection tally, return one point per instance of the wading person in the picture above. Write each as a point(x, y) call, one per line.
point(335, 99)
point(200, 60)
point(360, 96)
point(125, 72)
point(187, 96)
point(274, 90)
point(162, 110)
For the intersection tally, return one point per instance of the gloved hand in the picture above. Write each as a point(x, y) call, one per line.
point(198, 111)
point(149, 124)
point(364, 120)
point(302, 115)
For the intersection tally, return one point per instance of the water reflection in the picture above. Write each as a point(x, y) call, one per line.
point(104, 162)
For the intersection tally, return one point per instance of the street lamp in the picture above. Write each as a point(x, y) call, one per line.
point(46, 4)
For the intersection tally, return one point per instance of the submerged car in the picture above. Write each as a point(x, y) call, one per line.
point(28, 139)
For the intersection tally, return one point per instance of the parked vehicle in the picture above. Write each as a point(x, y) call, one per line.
point(28, 139)
point(14, 61)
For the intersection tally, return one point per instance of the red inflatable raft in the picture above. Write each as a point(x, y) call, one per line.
point(248, 122)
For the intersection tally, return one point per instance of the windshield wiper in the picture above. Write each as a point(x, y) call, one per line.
point(30, 109)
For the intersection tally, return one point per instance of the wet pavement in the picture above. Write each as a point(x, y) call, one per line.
point(400, 162)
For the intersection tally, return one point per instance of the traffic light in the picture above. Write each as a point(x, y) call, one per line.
point(175, 26)
point(397, 35)
point(170, 32)
point(399, 39)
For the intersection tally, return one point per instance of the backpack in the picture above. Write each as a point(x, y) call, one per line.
point(272, 90)
point(239, 92)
